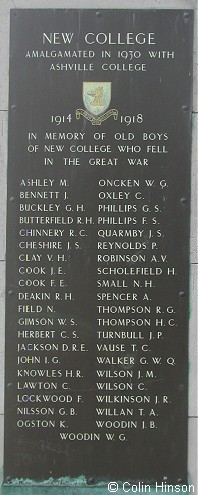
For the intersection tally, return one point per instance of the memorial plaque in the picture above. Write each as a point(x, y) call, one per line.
point(98, 246)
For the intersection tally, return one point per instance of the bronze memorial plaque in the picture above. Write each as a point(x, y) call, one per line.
point(98, 246)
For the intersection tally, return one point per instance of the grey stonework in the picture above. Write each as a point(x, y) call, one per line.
point(5, 6)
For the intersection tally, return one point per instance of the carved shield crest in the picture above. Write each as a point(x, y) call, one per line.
point(96, 97)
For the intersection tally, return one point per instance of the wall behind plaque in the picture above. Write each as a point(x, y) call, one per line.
point(5, 7)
